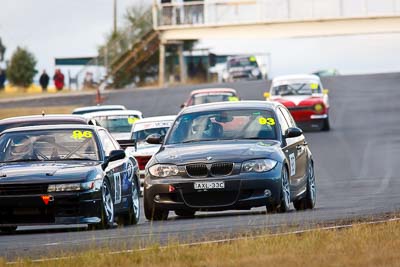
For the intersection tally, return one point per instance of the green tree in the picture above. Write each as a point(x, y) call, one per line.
point(2, 50)
point(21, 69)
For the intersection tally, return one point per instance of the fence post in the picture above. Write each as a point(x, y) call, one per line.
point(161, 66)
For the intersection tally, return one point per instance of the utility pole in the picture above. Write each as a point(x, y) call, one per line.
point(115, 17)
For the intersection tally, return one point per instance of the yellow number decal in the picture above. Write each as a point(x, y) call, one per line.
point(233, 98)
point(269, 121)
point(132, 120)
point(77, 134)
point(87, 134)
point(314, 86)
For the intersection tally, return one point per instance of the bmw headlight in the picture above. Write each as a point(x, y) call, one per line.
point(163, 170)
point(258, 165)
point(255, 72)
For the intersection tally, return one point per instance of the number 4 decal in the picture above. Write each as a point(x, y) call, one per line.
point(292, 161)
point(117, 185)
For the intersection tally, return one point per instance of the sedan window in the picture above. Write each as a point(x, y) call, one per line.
point(48, 145)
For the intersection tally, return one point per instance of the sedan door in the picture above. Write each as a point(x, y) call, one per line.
point(295, 151)
point(116, 171)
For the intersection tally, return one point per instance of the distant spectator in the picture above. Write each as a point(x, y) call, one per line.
point(88, 80)
point(44, 80)
point(2, 78)
point(59, 80)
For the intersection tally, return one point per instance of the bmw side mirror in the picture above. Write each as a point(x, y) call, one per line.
point(154, 139)
point(293, 132)
point(114, 156)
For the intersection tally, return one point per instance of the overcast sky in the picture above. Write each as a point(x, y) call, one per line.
point(58, 28)
point(74, 28)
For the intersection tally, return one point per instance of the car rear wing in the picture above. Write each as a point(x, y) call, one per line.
point(127, 143)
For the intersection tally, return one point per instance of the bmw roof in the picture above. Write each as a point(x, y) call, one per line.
point(231, 106)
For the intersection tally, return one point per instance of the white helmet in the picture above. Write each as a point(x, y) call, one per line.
point(21, 146)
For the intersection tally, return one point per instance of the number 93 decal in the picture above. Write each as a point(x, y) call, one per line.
point(268, 121)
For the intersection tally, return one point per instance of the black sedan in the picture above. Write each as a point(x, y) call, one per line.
point(65, 174)
point(224, 156)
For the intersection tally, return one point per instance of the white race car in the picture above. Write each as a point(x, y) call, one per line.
point(117, 122)
point(143, 151)
point(89, 109)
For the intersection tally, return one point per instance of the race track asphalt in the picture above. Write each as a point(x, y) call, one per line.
point(357, 169)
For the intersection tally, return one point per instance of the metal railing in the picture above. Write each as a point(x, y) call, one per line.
point(225, 12)
point(110, 53)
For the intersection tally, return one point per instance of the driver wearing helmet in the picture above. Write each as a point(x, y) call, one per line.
point(21, 148)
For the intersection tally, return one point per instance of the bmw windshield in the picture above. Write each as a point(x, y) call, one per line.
point(48, 145)
point(223, 125)
point(298, 88)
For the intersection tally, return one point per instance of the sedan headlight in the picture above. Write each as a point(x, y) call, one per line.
point(95, 184)
point(319, 108)
point(258, 165)
point(163, 170)
point(64, 187)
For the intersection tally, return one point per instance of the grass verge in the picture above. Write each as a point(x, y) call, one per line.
point(362, 245)
point(13, 112)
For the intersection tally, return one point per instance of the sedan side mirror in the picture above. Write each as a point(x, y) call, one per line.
point(114, 156)
point(154, 139)
point(293, 132)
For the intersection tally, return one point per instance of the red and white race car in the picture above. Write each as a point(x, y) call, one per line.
point(305, 98)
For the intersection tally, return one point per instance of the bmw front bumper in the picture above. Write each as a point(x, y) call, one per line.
point(242, 191)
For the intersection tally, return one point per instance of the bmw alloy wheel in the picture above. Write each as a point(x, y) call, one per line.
point(312, 190)
point(285, 189)
point(135, 201)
